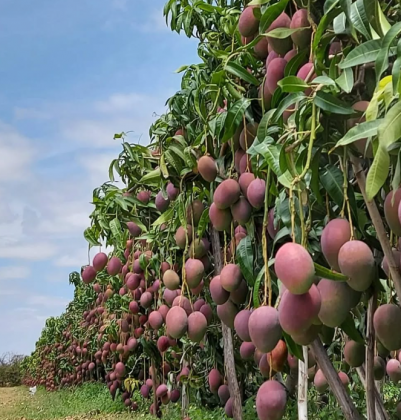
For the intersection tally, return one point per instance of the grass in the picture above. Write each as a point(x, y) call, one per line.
point(89, 401)
point(93, 401)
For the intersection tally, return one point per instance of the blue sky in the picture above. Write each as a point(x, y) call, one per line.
point(72, 74)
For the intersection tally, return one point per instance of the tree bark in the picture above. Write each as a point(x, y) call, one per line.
point(303, 386)
point(380, 411)
point(229, 361)
point(370, 355)
point(342, 397)
point(378, 225)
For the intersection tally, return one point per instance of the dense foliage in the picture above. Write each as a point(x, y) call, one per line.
point(257, 170)
point(10, 372)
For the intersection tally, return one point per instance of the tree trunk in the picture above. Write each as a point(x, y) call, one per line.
point(303, 386)
point(370, 355)
point(336, 386)
point(378, 225)
point(380, 411)
point(229, 361)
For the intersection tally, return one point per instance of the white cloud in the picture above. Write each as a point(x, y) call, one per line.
point(14, 272)
point(26, 310)
point(27, 251)
point(7, 214)
point(16, 153)
point(97, 168)
point(30, 114)
point(91, 131)
point(8, 292)
point(121, 102)
point(43, 301)
point(76, 258)
point(119, 112)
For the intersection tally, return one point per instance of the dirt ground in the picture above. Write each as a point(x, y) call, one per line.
point(9, 398)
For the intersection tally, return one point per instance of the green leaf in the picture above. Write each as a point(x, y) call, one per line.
point(175, 149)
point(91, 238)
point(151, 178)
point(294, 348)
point(203, 223)
point(182, 214)
point(324, 23)
point(329, 103)
point(163, 167)
point(360, 131)
point(165, 217)
point(256, 287)
point(378, 173)
point(129, 151)
point(282, 33)
point(139, 223)
point(396, 70)
point(173, 160)
point(199, 103)
point(332, 180)
point(272, 156)
point(241, 72)
point(292, 84)
point(381, 63)
point(115, 228)
point(289, 100)
point(270, 14)
point(376, 17)
point(323, 80)
point(111, 170)
point(390, 129)
point(346, 7)
point(348, 326)
point(362, 54)
point(121, 201)
point(340, 25)
point(264, 125)
point(294, 64)
point(326, 273)
point(244, 256)
point(181, 69)
point(258, 2)
point(359, 19)
point(234, 117)
point(397, 173)
point(286, 179)
point(346, 80)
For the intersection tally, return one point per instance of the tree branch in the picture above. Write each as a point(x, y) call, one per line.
point(331, 375)
point(378, 225)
